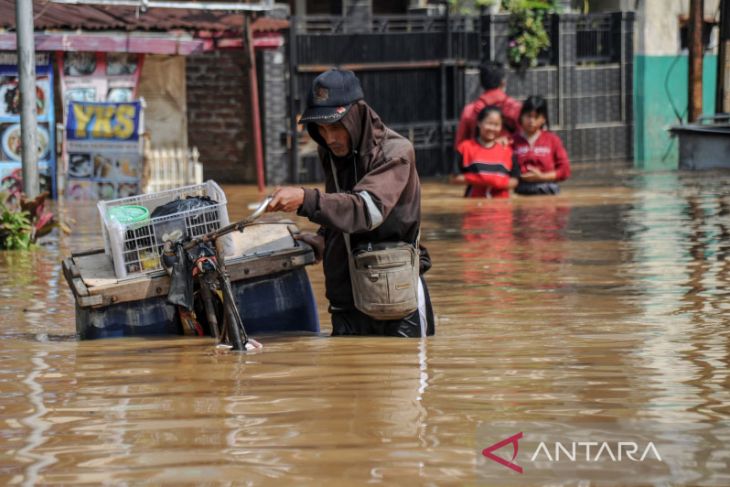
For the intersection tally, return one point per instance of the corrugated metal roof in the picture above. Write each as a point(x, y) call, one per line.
point(50, 16)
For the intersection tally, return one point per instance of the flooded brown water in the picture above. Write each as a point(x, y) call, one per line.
point(606, 303)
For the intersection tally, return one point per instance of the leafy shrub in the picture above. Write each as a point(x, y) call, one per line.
point(22, 220)
point(528, 37)
point(15, 228)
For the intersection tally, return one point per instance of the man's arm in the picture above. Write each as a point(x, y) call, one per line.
point(361, 210)
point(283, 199)
point(286, 198)
point(366, 206)
point(511, 109)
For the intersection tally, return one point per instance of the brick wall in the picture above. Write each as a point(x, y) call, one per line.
point(219, 121)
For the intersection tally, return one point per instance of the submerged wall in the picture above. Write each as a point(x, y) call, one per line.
point(660, 88)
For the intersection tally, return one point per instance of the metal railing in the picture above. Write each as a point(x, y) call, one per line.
point(595, 39)
point(328, 24)
point(172, 168)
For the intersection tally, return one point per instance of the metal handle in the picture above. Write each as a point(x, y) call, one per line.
point(233, 227)
point(261, 208)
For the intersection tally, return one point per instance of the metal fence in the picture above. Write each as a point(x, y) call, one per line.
point(418, 72)
point(594, 40)
point(412, 69)
point(586, 78)
point(171, 168)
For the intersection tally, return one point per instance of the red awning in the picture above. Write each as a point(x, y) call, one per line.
point(101, 17)
point(109, 42)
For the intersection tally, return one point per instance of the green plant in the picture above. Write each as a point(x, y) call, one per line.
point(14, 204)
point(527, 33)
point(15, 229)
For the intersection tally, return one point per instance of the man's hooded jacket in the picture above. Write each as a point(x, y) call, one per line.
point(379, 199)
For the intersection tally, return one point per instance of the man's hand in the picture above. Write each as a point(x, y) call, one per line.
point(315, 240)
point(287, 198)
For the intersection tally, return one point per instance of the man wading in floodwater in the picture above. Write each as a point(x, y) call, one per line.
point(371, 206)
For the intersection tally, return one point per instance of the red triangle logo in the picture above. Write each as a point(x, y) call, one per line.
point(488, 452)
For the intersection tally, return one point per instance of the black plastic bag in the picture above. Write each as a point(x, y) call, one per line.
point(192, 219)
point(181, 280)
point(182, 205)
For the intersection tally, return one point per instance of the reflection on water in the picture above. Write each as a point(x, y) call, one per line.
point(606, 303)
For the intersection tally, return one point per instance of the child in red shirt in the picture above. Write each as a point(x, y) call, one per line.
point(492, 78)
point(488, 167)
point(542, 158)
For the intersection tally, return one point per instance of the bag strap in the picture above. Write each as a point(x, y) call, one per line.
point(346, 236)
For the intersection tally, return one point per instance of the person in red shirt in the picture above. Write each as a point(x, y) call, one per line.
point(491, 76)
point(488, 167)
point(542, 158)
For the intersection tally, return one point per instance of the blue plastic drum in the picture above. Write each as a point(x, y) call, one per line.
point(278, 303)
point(139, 318)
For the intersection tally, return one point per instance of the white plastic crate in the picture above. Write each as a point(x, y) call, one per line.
point(135, 247)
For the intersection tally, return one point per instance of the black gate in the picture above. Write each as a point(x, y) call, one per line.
point(412, 70)
point(416, 73)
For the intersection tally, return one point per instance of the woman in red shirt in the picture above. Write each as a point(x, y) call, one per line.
point(488, 167)
point(542, 158)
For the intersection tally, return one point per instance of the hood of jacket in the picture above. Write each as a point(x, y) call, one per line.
point(366, 129)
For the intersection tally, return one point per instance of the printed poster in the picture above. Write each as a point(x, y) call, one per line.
point(10, 135)
point(99, 76)
point(103, 150)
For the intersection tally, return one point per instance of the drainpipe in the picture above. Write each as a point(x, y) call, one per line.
point(696, 13)
point(722, 104)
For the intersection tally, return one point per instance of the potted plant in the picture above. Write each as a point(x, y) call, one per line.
point(527, 34)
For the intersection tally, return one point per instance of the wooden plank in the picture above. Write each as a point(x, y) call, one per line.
point(69, 268)
point(90, 301)
point(80, 289)
point(87, 252)
point(258, 267)
point(131, 290)
point(96, 269)
point(74, 280)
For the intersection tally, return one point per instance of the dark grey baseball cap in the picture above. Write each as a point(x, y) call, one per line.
point(331, 96)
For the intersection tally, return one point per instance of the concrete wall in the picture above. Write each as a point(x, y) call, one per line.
point(659, 82)
point(660, 79)
point(219, 120)
point(162, 85)
point(658, 24)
